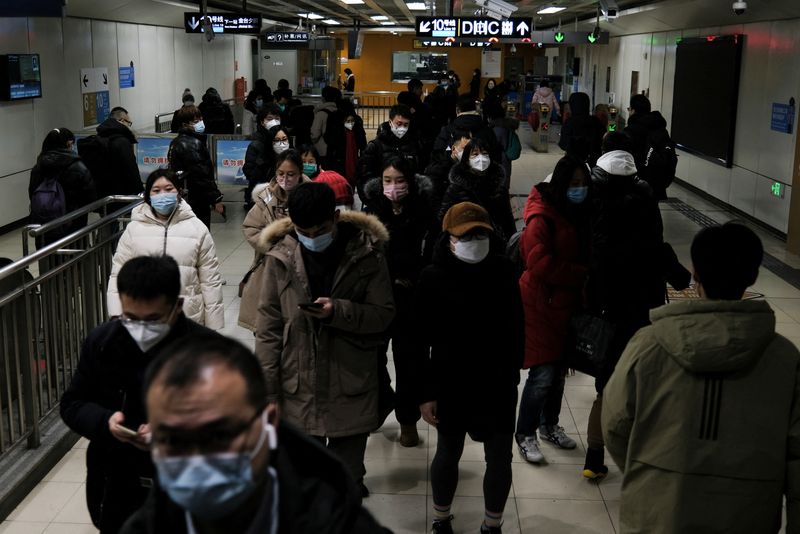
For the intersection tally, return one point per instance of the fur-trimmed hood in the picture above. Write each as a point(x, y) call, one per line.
point(374, 231)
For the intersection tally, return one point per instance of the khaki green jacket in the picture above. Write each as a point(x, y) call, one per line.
point(325, 373)
point(703, 416)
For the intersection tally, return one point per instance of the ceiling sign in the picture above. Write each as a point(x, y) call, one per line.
point(223, 22)
point(473, 27)
point(569, 38)
point(286, 37)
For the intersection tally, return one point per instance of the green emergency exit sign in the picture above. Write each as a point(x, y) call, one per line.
point(778, 189)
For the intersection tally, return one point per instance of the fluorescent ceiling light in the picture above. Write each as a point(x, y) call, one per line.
point(352, 2)
point(331, 22)
point(550, 10)
point(388, 23)
point(380, 17)
point(312, 16)
point(417, 6)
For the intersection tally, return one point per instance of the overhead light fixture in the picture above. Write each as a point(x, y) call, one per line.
point(388, 23)
point(417, 6)
point(312, 16)
point(352, 2)
point(379, 17)
point(331, 22)
point(550, 10)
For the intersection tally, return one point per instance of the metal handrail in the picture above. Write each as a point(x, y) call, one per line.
point(39, 229)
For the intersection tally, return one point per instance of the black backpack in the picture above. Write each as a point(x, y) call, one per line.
point(96, 155)
point(661, 160)
point(512, 247)
point(334, 135)
point(47, 201)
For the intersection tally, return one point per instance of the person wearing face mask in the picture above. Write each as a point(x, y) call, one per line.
point(442, 161)
point(395, 138)
point(555, 250)
point(218, 114)
point(269, 205)
point(259, 159)
point(468, 119)
point(226, 461)
point(475, 178)
point(469, 315)
point(105, 393)
point(324, 308)
point(337, 182)
point(355, 140)
point(59, 159)
point(189, 156)
point(166, 225)
point(400, 201)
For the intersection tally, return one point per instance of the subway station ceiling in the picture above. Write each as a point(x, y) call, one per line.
point(636, 16)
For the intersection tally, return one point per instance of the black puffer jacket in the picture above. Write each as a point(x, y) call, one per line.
point(384, 146)
point(438, 172)
point(74, 177)
point(217, 116)
point(627, 265)
point(411, 232)
point(316, 495)
point(259, 160)
point(124, 172)
point(487, 190)
point(640, 128)
point(476, 126)
point(471, 317)
point(189, 155)
point(582, 134)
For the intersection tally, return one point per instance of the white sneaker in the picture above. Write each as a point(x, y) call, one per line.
point(557, 436)
point(529, 449)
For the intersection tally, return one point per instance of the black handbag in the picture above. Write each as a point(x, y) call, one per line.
point(587, 343)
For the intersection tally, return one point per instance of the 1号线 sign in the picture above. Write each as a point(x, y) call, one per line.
point(474, 27)
point(223, 22)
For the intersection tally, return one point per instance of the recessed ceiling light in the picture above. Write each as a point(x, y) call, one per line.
point(331, 22)
point(379, 17)
point(550, 10)
point(388, 23)
point(352, 2)
point(312, 16)
point(416, 6)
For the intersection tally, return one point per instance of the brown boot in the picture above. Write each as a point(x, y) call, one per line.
point(409, 436)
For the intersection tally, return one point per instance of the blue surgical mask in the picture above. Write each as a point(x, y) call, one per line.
point(164, 203)
point(577, 195)
point(259, 103)
point(200, 127)
point(316, 244)
point(282, 107)
point(214, 485)
point(309, 169)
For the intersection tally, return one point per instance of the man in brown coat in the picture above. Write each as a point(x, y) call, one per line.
point(325, 304)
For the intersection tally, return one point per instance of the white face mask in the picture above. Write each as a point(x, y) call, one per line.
point(399, 131)
point(147, 334)
point(349, 125)
point(472, 251)
point(199, 127)
point(280, 146)
point(273, 122)
point(479, 163)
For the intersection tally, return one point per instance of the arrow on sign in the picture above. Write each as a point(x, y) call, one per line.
point(194, 23)
point(85, 81)
point(560, 37)
point(592, 38)
point(523, 28)
point(424, 26)
point(105, 79)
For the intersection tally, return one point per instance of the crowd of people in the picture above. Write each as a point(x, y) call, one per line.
point(409, 241)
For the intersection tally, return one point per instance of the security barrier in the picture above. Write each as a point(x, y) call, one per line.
point(44, 318)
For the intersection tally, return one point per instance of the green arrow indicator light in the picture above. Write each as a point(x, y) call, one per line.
point(592, 38)
point(560, 37)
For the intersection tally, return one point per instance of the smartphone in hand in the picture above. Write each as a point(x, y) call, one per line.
point(127, 431)
point(310, 306)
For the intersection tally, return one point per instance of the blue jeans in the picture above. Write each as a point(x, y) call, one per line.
point(541, 398)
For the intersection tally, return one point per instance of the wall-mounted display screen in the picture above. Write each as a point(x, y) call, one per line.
point(706, 95)
point(20, 76)
point(426, 66)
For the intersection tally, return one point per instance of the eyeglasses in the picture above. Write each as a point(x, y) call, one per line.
point(127, 321)
point(208, 439)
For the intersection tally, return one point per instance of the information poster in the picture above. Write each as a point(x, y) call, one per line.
point(230, 160)
point(151, 154)
point(94, 93)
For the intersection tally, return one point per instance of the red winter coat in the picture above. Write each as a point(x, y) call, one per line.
point(553, 280)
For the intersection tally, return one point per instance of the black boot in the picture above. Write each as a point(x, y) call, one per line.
point(594, 468)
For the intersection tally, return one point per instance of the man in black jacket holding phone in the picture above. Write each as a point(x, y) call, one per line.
point(104, 401)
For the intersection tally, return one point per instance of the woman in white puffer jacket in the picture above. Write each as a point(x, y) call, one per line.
point(166, 225)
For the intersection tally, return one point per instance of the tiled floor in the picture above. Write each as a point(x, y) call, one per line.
point(551, 499)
